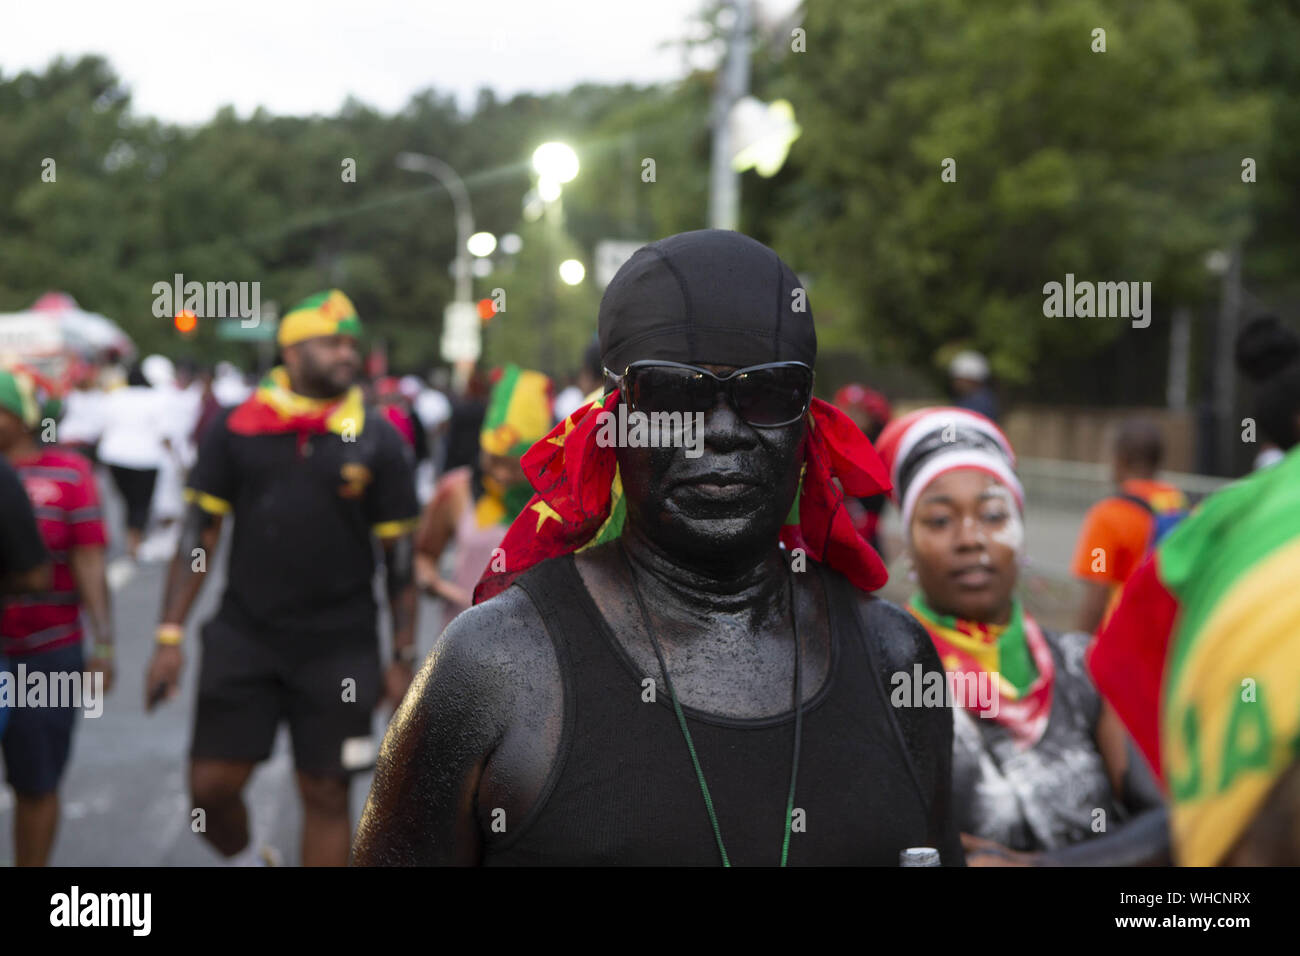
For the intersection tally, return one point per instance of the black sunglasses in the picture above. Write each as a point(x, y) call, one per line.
point(767, 396)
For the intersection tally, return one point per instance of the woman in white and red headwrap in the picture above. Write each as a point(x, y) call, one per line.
point(1042, 770)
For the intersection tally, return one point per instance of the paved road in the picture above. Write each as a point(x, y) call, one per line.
point(124, 795)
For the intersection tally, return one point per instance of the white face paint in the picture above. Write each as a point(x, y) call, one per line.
point(1012, 533)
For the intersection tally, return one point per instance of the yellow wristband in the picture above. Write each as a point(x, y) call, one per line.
point(169, 634)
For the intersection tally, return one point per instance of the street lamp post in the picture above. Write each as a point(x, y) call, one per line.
point(461, 312)
point(555, 165)
point(732, 84)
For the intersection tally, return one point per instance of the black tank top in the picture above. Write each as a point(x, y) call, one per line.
point(623, 790)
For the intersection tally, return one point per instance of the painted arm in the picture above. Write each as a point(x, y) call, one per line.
point(421, 807)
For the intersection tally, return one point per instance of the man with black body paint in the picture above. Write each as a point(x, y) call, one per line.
point(527, 736)
point(312, 476)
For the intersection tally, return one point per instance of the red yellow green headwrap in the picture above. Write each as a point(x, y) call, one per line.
point(325, 313)
point(518, 413)
point(579, 500)
point(1201, 659)
point(26, 395)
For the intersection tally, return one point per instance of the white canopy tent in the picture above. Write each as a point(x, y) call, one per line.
point(55, 333)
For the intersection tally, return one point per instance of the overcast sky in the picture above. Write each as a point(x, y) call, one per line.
point(183, 60)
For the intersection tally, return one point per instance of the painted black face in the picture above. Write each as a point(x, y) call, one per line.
point(729, 501)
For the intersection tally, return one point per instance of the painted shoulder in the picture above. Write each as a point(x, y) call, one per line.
point(503, 634)
point(900, 639)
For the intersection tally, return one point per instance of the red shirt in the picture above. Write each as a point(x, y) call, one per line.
point(63, 495)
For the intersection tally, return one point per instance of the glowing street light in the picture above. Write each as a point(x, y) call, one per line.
point(572, 271)
point(555, 161)
point(762, 135)
point(548, 189)
point(481, 244)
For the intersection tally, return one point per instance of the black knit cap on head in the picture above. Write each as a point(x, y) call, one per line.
point(710, 297)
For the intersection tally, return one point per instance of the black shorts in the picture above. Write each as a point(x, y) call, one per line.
point(135, 485)
point(325, 685)
point(38, 740)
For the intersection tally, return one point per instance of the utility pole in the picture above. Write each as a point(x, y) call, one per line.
point(1180, 353)
point(1225, 371)
point(733, 83)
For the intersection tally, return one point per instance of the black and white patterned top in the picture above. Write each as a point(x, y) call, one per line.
point(1046, 796)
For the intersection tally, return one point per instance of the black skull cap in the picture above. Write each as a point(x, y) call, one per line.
point(709, 297)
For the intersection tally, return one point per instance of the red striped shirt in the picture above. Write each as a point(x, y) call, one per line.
point(62, 490)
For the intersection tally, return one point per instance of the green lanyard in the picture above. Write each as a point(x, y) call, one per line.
point(686, 733)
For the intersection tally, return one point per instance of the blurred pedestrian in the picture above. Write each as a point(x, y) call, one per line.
point(1268, 354)
point(870, 411)
point(180, 412)
point(313, 476)
point(209, 407)
point(472, 507)
point(587, 383)
point(1038, 756)
point(134, 443)
point(968, 374)
point(1119, 531)
point(466, 422)
point(82, 422)
point(229, 386)
point(42, 631)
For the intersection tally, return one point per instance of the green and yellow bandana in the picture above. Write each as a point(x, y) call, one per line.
point(325, 313)
point(18, 395)
point(518, 413)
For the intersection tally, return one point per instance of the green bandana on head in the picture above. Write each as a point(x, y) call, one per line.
point(20, 395)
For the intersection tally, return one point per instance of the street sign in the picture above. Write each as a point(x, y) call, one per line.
point(461, 337)
point(235, 330)
point(610, 256)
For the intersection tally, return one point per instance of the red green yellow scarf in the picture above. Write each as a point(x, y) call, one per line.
point(579, 500)
point(1016, 654)
point(1201, 659)
point(275, 409)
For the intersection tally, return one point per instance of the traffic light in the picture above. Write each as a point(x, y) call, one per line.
point(186, 322)
point(486, 309)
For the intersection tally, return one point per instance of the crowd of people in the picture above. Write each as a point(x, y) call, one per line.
point(648, 657)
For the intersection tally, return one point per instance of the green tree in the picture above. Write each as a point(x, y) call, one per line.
point(1115, 165)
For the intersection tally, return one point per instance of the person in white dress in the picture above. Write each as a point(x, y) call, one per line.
point(133, 445)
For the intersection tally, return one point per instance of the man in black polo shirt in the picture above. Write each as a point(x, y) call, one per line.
point(311, 475)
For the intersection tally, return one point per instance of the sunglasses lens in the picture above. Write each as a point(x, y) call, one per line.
point(667, 389)
point(773, 396)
